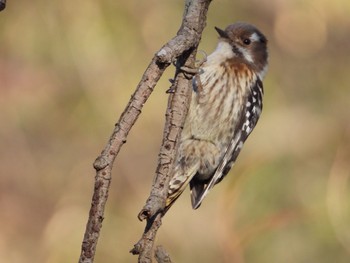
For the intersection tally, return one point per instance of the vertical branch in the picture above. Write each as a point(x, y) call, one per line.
point(194, 21)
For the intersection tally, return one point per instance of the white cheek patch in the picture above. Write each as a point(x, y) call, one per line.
point(254, 37)
point(246, 54)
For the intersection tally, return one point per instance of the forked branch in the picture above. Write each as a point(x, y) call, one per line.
point(182, 47)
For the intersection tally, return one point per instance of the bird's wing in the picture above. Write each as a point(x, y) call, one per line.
point(248, 119)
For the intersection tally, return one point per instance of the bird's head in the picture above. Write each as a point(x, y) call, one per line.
point(248, 44)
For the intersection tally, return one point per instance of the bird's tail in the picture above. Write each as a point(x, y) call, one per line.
point(198, 188)
point(178, 184)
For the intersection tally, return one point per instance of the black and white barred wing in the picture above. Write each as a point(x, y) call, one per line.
point(249, 117)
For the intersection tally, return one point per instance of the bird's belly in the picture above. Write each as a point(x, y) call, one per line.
point(210, 126)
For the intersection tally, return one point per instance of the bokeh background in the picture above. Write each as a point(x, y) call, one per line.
point(67, 70)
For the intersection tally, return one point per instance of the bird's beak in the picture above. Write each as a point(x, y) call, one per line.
point(221, 32)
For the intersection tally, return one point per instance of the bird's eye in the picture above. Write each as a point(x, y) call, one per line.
point(247, 41)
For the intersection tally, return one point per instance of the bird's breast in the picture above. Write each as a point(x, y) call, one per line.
point(217, 102)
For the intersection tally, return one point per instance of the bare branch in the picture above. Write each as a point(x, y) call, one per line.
point(189, 35)
point(187, 39)
point(104, 163)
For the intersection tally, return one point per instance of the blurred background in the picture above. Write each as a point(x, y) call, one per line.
point(67, 70)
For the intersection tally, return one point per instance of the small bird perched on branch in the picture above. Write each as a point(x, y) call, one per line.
point(225, 107)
